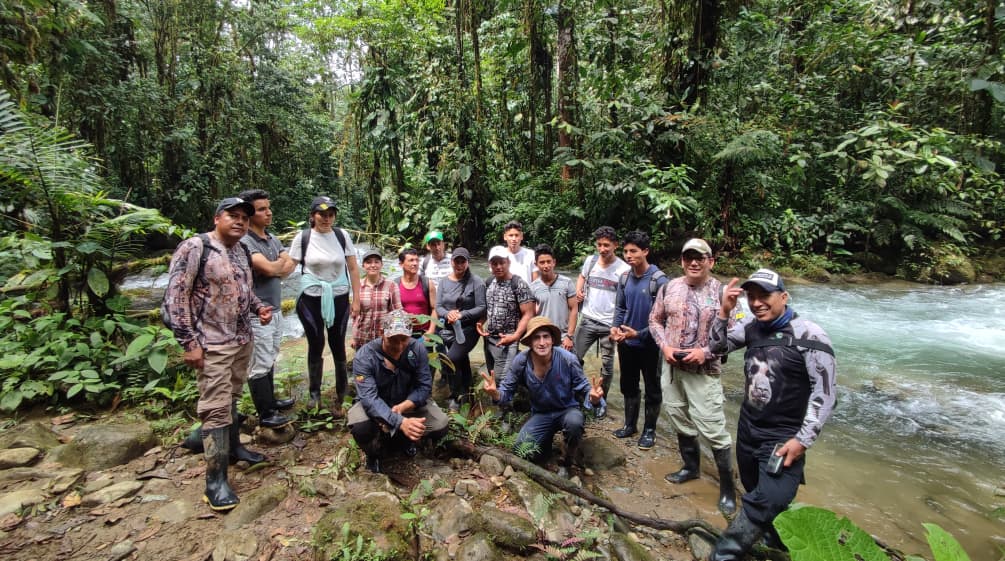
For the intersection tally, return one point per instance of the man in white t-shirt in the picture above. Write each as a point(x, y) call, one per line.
point(521, 259)
point(436, 264)
point(596, 289)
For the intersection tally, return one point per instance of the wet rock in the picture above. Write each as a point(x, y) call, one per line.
point(239, 545)
point(477, 548)
point(121, 550)
point(276, 436)
point(449, 516)
point(376, 517)
point(16, 500)
point(509, 531)
point(491, 465)
point(32, 434)
point(18, 457)
point(174, 512)
point(599, 454)
point(466, 488)
point(55, 481)
point(550, 516)
point(329, 487)
point(701, 548)
point(100, 447)
point(508, 472)
point(627, 549)
point(255, 504)
point(112, 493)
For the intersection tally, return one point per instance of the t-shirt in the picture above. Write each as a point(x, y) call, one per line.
point(268, 288)
point(325, 260)
point(601, 289)
point(503, 299)
point(553, 301)
point(414, 301)
point(435, 270)
point(521, 263)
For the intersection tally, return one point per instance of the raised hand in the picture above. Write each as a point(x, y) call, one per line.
point(596, 389)
point(490, 384)
point(729, 296)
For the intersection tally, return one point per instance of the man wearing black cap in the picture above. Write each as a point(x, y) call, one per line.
point(789, 394)
point(208, 299)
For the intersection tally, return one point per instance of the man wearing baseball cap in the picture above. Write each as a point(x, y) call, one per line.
point(557, 387)
point(789, 394)
point(209, 298)
point(436, 263)
point(393, 384)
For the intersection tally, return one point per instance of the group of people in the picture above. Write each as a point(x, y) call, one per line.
point(671, 338)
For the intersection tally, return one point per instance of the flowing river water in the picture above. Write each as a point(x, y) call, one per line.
point(918, 434)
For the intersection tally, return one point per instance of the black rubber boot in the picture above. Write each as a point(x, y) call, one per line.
point(265, 403)
point(219, 495)
point(691, 454)
point(278, 403)
point(727, 489)
point(372, 452)
point(631, 418)
point(239, 453)
point(648, 438)
point(315, 369)
point(565, 465)
point(193, 441)
point(736, 541)
point(341, 384)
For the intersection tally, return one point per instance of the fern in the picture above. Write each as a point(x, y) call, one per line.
point(750, 148)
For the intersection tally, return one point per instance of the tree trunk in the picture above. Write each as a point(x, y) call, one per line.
point(565, 49)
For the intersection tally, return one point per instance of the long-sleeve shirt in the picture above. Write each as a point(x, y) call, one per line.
point(467, 296)
point(380, 388)
point(682, 317)
point(633, 303)
point(375, 301)
point(563, 386)
point(212, 310)
point(790, 390)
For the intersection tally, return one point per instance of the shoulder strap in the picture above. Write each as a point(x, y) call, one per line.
point(340, 236)
point(653, 286)
point(204, 256)
point(424, 262)
point(424, 282)
point(590, 263)
point(623, 280)
point(787, 341)
point(305, 238)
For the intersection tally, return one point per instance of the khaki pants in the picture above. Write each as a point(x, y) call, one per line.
point(267, 340)
point(694, 403)
point(221, 381)
point(436, 420)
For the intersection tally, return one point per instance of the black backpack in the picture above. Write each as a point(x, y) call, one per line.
point(203, 257)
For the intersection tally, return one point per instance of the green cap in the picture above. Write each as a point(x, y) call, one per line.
point(432, 235)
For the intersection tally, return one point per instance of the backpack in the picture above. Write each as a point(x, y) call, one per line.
point(653, 286)
point(423, 282)
point(203, 257)
point(305, 238)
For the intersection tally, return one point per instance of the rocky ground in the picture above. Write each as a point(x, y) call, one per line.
point(106, 489)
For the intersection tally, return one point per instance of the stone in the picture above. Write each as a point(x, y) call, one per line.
point(329, 487)
point(17, 500)
point(32, 434)
point(55, 481)
point(375, 516)
point(448, 516)
point(466, 488)
point(701, 548)
point(18, 457)
point(96, 485)
point(491, 465)
point(111, 493)
point(599, 454)
point(551, 517)
point(239, 545)
point(276, 436)
point(477, 548)
point(1000, 492)
point(625, 548)
point(174, 512)
point(509, 531)
point(99, 447)
point(508, 472)
point(121, 550)
point(255, 504)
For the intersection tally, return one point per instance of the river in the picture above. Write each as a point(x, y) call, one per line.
point(918, 434)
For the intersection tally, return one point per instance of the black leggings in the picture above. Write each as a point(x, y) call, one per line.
point(309, 312)
point(460, 375)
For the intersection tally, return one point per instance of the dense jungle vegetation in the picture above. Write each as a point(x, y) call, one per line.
point(829, 134)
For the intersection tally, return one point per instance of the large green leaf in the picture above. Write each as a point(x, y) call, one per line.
point(944, 545)
point(97, 281)
point(141, 342)
point(816, 534)
point(157, 360)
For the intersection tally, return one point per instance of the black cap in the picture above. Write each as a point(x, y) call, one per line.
point(235, 202)
point(460, 252)
point(323, 203)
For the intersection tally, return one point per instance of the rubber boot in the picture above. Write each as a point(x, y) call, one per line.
point(648, 438)
point(600, 411)
point(631, 418)
point(727, 489)
point(278, 403)
point(736, 541)
point(239, 453)
point(372, 452)
point(565, 465)
point(265, 403)
point(193, 441)
point(314, 371)
point(691, 454)
point(341, 383)
point(219, 495)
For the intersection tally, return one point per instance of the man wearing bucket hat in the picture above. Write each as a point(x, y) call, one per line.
point(393, 384)
point(557, 387)
point(436, 264)
point(789, 394)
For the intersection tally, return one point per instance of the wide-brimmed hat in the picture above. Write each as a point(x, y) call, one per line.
point(767, 279)
point(398, 322)
point(235, 202)
point(541, 322)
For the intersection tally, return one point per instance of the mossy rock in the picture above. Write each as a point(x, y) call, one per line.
point(376, 518)
point(940, 264)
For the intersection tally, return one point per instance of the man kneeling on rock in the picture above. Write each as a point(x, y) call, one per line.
point(393, 386)
point(557, 386)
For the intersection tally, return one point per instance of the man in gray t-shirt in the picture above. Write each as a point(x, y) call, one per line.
point(555, 295)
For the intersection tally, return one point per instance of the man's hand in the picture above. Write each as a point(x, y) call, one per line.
point(730, 294)
point(195, 358)
point(480, 328)
point(616, 334)
point(597, 390)
point(580, 295)
point(792, 450)
point(668, 352)
point(403, 407)
point(627, 332)
point(567, 343)
point(413, 427)
point(694, 356)
point(490, 384)
point(265, 314)
point(507, 339)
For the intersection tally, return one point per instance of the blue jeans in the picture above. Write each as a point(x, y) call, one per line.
point(541, 428)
